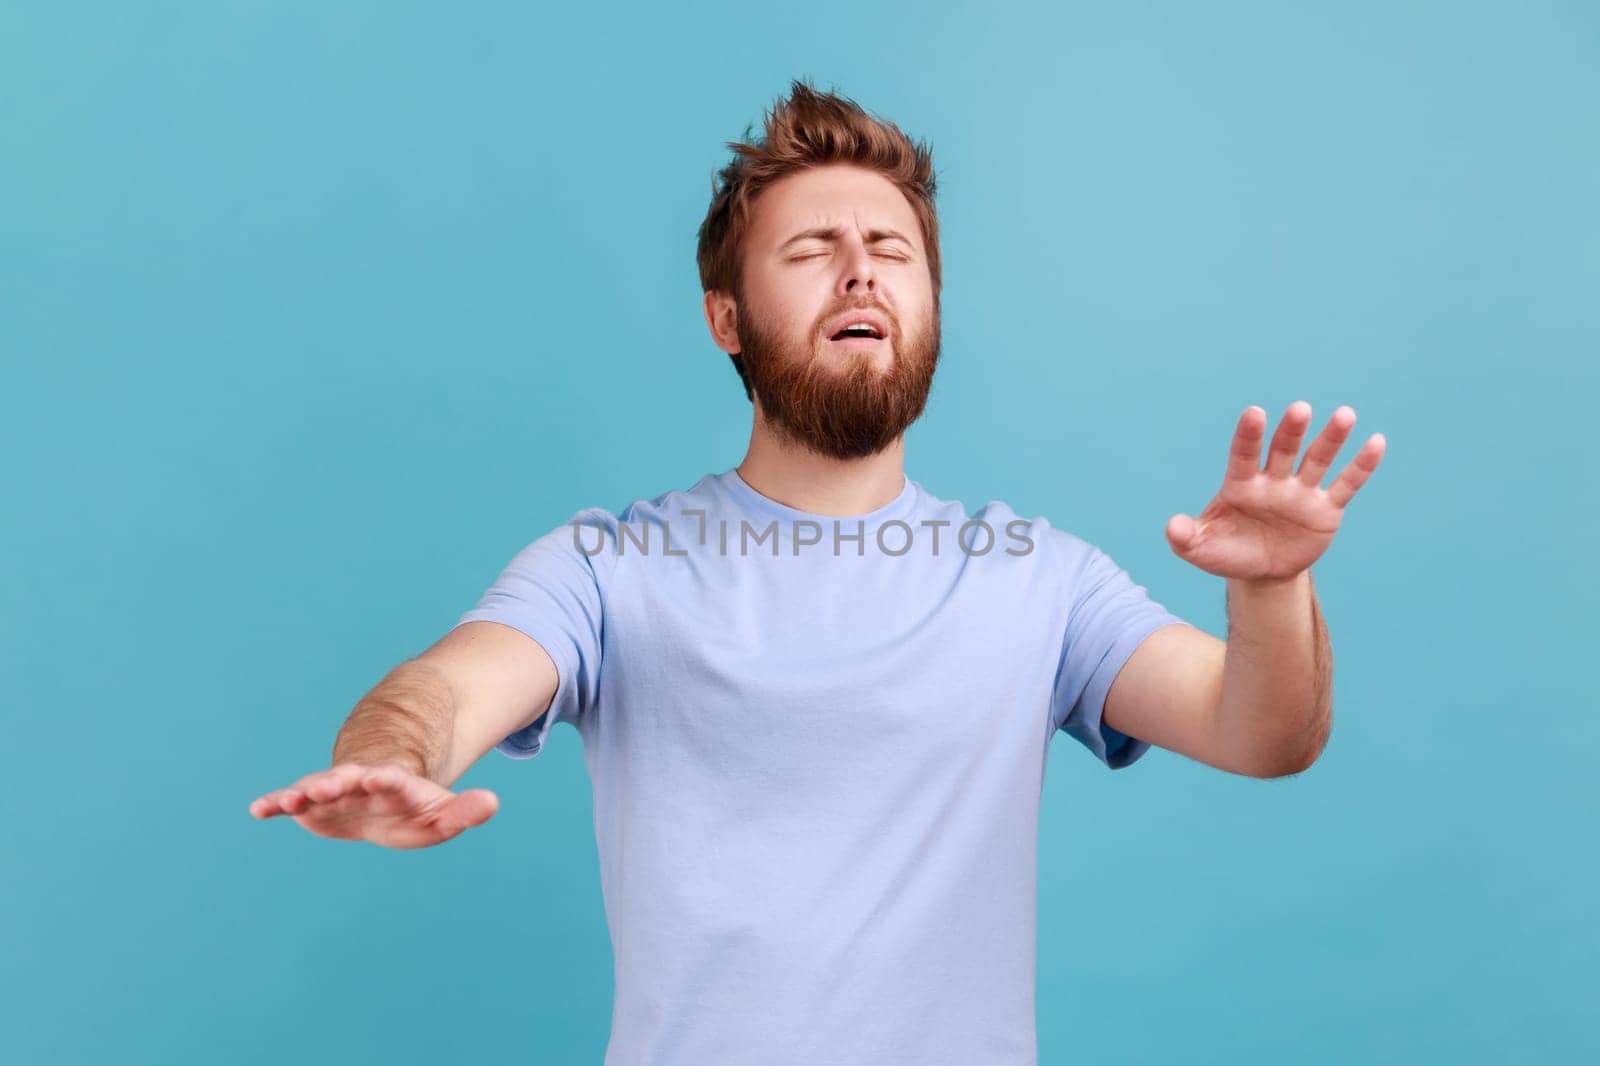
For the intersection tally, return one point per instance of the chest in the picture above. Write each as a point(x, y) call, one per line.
point(771, 668)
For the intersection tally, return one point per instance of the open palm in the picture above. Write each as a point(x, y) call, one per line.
point(387, 805)
point(1270, 523)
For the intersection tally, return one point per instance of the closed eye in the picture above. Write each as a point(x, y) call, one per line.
point(885, 255)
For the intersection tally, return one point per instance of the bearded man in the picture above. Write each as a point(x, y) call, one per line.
point(817, 762)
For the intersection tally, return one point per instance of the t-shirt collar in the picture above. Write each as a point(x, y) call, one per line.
point(750, 499)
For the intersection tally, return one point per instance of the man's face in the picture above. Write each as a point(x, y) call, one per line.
point(828, 247)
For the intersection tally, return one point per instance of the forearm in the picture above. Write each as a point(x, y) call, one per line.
point(408, 718)
point(1276, 707)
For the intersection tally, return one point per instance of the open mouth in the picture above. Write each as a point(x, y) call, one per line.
point(857, 335)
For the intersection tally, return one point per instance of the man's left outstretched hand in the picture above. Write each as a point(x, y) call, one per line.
point(1270, 524)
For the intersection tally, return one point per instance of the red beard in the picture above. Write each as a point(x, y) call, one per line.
point(845, 411)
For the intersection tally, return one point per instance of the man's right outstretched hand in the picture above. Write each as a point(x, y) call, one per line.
point(387, 805)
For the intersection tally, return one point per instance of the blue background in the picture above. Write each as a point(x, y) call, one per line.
point(312, 315)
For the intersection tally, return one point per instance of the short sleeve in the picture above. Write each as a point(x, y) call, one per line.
point(551, 591)
point(1108, 616)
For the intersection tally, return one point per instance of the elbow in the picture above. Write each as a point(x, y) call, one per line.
point(1283, 766)
point(1286, 760)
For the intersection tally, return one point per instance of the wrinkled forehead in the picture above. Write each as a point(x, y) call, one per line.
point(831, 196)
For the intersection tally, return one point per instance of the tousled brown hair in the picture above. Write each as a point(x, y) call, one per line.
point(808, 129)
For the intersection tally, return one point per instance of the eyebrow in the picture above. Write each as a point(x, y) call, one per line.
point(830, 233)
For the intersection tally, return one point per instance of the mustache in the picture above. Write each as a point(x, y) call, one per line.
point(858, 305)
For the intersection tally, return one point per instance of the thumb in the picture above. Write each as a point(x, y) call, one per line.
point(471, 808)
point(1180, 533)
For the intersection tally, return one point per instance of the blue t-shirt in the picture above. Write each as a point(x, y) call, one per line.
point(817, 747)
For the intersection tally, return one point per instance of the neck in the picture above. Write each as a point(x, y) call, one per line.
point(820, 484)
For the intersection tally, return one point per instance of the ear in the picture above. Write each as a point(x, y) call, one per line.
point(722, 318)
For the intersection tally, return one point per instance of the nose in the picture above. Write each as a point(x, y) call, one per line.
point(860, 273)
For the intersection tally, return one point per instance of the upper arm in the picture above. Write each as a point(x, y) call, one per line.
point(1108, 619)
point(1167, 692)
point(500, 680)
point(528, 655)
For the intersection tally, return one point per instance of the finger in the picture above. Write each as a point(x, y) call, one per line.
point(1323, 450)
point(331, 784)
point(384, 779)
point(1353, 476)
point(1286, 440)
point(273, 803)
point(1244, 457)
point(1181, 530)
point(403, 789)
point(332, 773)
point(471, 808)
